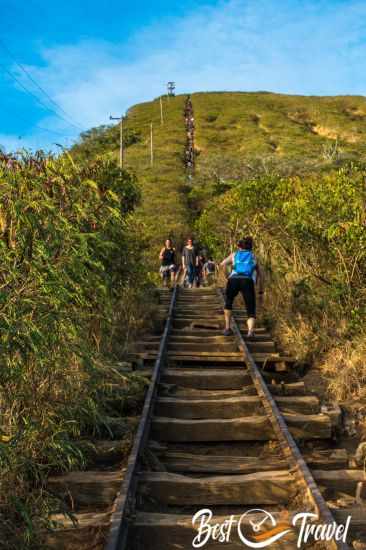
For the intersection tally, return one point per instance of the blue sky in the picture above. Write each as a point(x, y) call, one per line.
point(95, 58)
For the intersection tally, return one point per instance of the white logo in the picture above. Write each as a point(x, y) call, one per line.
point(265, 529)
point(267, 520)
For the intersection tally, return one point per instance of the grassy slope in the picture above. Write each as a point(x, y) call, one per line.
point(245, 124)
point(163, 211)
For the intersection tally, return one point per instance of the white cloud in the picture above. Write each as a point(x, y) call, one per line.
point(308, 47)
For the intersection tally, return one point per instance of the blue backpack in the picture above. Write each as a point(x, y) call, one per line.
point(244, 263)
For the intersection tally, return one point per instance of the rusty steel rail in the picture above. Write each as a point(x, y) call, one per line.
point(285, 439)
point(123, 507)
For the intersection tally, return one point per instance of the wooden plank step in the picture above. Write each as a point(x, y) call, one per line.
point(212, 379)
point(199, 317)
point(172, 390)
point(230, 407)
point(202, 332)
point(192, 355)
point(271, 377)
point(307, 404)
point(203, 347)
point(189, 348)
point(172, 356)
point(263, 359)
point(212, 353)
point(251, 428)
point(192, 325)
point(215, 377)
point(198, 309)
point(344, 481)
point(309, 426)
point(177, 461)
point(175, 532)
point(196, 338)
point(96, 488)
point(273, 487)
point(258, 346)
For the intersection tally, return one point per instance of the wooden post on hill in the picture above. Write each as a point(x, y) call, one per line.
point(121, 151)
point(161, 111)
point(151, 145)
point(121, 148)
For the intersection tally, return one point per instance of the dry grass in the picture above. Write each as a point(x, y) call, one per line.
point(345, 368)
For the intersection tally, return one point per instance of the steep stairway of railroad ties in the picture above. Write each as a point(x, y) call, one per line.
point(211, 443)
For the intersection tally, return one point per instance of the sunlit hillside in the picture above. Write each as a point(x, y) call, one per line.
point(263, 123)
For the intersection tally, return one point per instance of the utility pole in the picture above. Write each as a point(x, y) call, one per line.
point(151, 145)
point(121, 148)
point(161, 111)
point(171, 88)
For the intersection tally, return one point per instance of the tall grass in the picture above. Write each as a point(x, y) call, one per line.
point(68, 254)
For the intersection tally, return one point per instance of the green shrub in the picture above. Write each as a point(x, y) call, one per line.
point(311, 235)
point(67, 254)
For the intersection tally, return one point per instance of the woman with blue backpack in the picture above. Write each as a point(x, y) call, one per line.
point(243, 278)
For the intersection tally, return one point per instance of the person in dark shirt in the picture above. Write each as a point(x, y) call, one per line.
point(168, 267)
point(209, 272)
point(199, 269)
point(189, 262)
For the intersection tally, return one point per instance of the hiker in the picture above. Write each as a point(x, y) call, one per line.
point(245, 274)
point(209, 272)
point(168, 266)
point(189, 262)
point(199, 269)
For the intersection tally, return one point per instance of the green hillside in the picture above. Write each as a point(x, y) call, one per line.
point(288, 169)
point(163, 210)
point(243, 124)
point(237, 134)
point(292, 133)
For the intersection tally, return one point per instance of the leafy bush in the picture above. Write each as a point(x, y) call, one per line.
point(67, 254)
point(103, 139)
point(311, 235)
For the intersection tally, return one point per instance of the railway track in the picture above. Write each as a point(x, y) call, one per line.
point(219, 432)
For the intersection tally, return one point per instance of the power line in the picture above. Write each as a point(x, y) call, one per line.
point(27, 73)
point(30, 93)
point(35, 97)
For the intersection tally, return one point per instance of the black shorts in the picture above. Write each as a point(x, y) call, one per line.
point(245, 285)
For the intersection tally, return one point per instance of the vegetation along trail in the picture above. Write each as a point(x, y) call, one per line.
point(145, 412)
